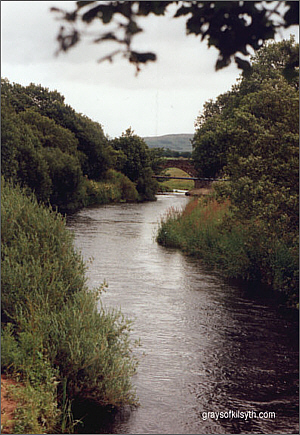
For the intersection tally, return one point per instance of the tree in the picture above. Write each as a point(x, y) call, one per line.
point(67, 180)
point(56, 124)
point(210, 141)
point(215, 127)
point(50, 134)
point(262, 158)
point(36, 152)
point(230, 26)
point(135, 162)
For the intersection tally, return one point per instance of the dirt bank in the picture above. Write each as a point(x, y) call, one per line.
point(8, 406)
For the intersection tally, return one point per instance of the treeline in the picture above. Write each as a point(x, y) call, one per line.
point(64, 157)
point(176, 154)
point(250, 136)
point(65, 351)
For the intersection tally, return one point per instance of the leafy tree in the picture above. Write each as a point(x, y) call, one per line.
point(156, 155)
point(212, 138)
point(135, 162)
point(210, 147)
point(262, 158)
point(37, 152)
point(21, 156)
point(67, 180)
point(50, 134)
point(95, 154)
point(92, 146)
point(99, 155)
point(230, 26)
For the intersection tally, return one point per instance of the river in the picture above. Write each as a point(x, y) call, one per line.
point(207, 347)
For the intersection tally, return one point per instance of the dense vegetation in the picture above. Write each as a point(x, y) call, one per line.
point(61, 155)
point(250, 136)
point(136, 161)
point(57, 339)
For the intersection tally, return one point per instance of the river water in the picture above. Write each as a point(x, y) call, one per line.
point(207, 347)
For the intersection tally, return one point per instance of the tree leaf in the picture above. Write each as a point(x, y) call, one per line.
point(243, 64)
point(136, 57)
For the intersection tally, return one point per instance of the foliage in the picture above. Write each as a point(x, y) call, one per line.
point(232, 27)
point(125, 186)
point(22, 356)
point(250, 136)
point(116, 187)
point(67, 180)
point(242, 249)
point(135, 162)
point(55, 331)
point(38, 262)
point(59, 154)
point(216, 125)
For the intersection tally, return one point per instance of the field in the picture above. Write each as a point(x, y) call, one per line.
point(177, 184)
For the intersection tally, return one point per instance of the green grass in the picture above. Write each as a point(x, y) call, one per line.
point(177, 184)
point(57, 339)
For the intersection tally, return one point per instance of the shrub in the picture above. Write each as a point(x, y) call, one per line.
point(57, 338)
point(115, 187)
point(126, 186)
point(39, 264)
point(22, 356)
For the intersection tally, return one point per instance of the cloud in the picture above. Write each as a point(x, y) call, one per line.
point(165, 97)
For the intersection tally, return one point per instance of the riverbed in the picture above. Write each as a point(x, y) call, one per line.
point(214, 357)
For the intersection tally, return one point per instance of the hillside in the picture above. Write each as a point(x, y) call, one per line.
point(175, 142)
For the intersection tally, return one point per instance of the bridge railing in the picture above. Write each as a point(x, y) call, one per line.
point(169, 177)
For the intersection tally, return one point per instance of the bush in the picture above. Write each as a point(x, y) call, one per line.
point(115, 187)
point(126, 186)
point(22, 356)
point(57, 339)
point(39, 264)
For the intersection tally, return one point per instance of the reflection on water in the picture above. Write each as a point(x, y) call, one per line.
point(206, 346)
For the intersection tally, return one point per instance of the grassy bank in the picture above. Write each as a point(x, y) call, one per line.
point(170, 185)
point(58, 341)
point(115, 187)
point(241, 249)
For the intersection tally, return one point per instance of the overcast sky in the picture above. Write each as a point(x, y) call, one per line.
point(166, 96)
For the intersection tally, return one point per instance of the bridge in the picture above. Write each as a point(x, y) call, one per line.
point(185, 165)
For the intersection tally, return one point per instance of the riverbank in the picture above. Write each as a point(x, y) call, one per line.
point(8, 405)
point(206, 343)
point(57, 339)
point(208, 229)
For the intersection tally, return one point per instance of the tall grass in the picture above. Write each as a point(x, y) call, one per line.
point(208, 229)
point(57, 339)
point(116, 187)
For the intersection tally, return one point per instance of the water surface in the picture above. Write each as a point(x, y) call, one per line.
point(206, 346)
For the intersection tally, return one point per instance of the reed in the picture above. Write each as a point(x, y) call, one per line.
point(57, 339)
point(208, 229)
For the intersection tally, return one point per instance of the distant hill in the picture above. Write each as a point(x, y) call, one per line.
point(175, 142)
